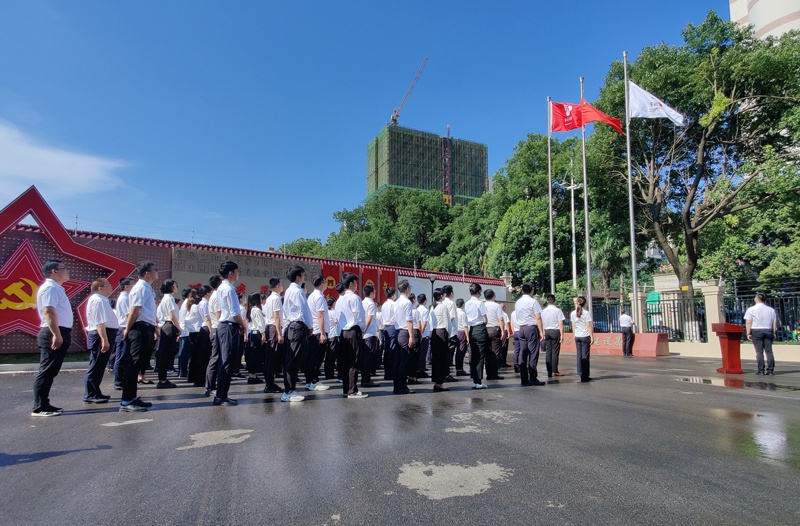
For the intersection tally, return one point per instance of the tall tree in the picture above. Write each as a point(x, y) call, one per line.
point(741, 97)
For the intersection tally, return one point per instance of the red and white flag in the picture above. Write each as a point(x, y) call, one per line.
point(590, 114)
point(642, 103)
point(565, 116)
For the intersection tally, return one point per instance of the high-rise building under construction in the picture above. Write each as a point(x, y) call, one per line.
point(404, 158)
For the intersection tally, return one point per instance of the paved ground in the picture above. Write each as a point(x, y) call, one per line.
point(652, 441)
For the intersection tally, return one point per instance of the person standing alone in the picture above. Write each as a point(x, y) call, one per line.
point(762, 324)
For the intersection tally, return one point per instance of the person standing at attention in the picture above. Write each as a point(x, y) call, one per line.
point(583, 333)
point(529, 317)
point(553, 322)
point(229, 331)
point(298, 329)
point(626, 324)
point(101, 333)
point(55, 334)
point(476, 320)
point(762, 324)
point(140, 330)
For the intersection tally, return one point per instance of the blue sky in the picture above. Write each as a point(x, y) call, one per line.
point(247, 121)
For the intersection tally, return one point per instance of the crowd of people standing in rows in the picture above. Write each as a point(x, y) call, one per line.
point(285, 332)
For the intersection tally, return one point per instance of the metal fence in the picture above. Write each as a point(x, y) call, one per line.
point(787, 310)
point(680, 319)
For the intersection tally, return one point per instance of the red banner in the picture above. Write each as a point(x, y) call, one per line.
point(369, 276)
point(388, 279)
point(332, 276)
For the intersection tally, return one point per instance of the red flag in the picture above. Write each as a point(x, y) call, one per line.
point(564, 116)
point(590, 114)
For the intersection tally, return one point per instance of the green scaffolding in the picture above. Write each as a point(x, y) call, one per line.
point(405, 158)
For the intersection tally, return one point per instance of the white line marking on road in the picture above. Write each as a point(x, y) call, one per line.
point(465, 429)
point(116, 424)
point(442, 481)
point(215, 438)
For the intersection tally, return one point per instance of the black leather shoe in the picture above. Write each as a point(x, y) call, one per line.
point(496, 378)
point(585, 379)
point(437, 389)
point(226, 401)
point(536, 382)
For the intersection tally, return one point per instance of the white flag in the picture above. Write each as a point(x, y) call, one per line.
point(645, 104)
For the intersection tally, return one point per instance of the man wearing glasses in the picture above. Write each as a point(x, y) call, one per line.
point(54, 335)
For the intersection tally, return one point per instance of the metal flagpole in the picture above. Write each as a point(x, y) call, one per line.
point(586, 216)
point(550, 195)
point(572, 218)
point(636, 307)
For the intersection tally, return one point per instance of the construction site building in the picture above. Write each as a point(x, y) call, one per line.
point(404, 158)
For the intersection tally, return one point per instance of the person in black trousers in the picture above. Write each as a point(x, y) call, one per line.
point(140, 330)
point(54, 336)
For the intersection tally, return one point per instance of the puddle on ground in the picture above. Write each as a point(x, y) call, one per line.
point(735, 383)
point(767, 436)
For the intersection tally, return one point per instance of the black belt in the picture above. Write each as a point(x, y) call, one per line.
point(297, 323)
point(150, 325)
point(63, 329)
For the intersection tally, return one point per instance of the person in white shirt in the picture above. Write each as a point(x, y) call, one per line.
point(201, 340)
point(170, 333)
point(463, 338)
point(476, 321)
point(140, 330)
point(273, 335)
point(101, 333)
point(370, 337)
point(185, 345)
point(452, 331)
point(254, 352)
point(425, 336)
point(440, 320)
point(212, 369)
point(229, 331)
point(390, 336)
point(320, 321)
point(403, 323)
point(298, 328)
point(414, 352)
point(583, 333)
point(553, 323)
point(332, 351)
point(352, 322)
point(762, 324)
point(55, 334)
point(495, 331)
point(378, 355)
point(121, 310)
point(515, 329)
point(626, 325)
point(529, 317)
point(507, 336)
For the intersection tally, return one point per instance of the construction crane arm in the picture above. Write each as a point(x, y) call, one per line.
point(396, 112)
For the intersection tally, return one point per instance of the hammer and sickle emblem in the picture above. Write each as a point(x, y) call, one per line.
point(330, 282)
point(16, 290)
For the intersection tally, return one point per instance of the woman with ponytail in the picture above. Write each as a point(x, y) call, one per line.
point(582, 331)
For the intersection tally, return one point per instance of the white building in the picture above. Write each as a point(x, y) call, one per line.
point(768, 17)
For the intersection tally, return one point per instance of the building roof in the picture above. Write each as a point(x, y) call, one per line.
point(408, 272)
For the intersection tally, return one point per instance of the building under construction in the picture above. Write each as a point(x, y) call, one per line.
point(405, 158)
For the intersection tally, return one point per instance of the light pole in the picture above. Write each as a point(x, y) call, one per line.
point(432, 277)
point(572, 187)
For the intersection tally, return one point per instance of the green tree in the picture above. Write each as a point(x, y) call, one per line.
point(785, 265)
point(304, 247)
point(741, 98)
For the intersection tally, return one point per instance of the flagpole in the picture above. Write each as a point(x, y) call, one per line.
point(586, 214)
point(550, 196)
point(635, 308)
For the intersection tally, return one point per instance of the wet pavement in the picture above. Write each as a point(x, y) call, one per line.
point(651, 441)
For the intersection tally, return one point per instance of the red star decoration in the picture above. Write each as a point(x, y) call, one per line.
point(31, 202)
point(20, 278)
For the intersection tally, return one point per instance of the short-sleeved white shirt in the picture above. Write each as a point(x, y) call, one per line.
point(527, 308)
point(551, 316)
point(142, 295)
point(761, 316)
point(272, 306)
point(123, 308)
point(370, 309)
point(229, 305)
point(494, 313)
point(316, 303)
point(475, 311)
point(402, 313)
point(51, 294)
point(213, 309)
point(98, 310)
point(580, 326)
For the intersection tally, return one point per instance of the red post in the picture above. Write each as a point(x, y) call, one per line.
point(730, 339)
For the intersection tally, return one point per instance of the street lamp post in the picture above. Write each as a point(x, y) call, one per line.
point(432, 277)
point(572, 187)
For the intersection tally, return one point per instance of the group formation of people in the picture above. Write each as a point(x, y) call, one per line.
point(284, 332)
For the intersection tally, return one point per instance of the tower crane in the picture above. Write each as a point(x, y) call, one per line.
point(396, 112)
